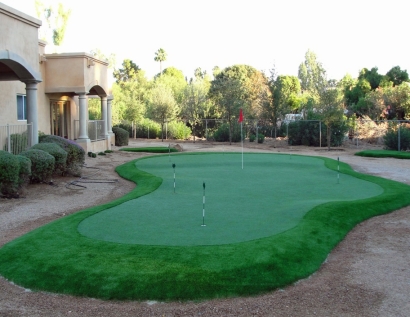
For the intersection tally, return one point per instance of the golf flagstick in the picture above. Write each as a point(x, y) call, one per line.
point(338, 168)
point(241, 120)
point(203, 207)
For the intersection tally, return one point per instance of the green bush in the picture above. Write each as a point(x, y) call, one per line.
point(178, 130)
point(391, 139)
point(9, 174)
point(261, 138)
point(127, 126)
point(308, 133)
point(148, 128)
point(252, 138)
point(222, 133)
point(25, 169)
point(59, 154)
point(75, 153)
point(42, 165)
point(121, 136)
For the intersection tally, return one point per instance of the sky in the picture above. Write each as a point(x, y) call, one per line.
point(345, 35)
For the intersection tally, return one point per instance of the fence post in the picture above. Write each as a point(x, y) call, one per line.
point(398, 135)
point(206, 130)
point(320, 133)
point(8, 138)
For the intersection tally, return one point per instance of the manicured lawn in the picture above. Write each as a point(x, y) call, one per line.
point(384, 153)
point(259, 234)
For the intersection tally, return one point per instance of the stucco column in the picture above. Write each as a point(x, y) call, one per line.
point(104, 116)
point(109, 115)
point(83, 112)
point(32, 111)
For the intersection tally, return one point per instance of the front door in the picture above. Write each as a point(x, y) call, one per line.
point(60, 117)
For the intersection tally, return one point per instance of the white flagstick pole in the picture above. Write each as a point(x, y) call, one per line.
point(203, 207)
point(242, 144)
point(338, 170)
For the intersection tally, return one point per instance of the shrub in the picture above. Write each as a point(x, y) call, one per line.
point(42, 165)
point(391, 139)
point(308, 133)
point(222, 133)
point(59, 154)
point(252, 138)
point(75, 153)
point(261, 138)
point(147, 128)
point(25, 169)
point(178, 130)
point(121, 136)
point(101, 153)
point(127, 126)
point(9, 174)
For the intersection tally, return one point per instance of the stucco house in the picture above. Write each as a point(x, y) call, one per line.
point(49, 92)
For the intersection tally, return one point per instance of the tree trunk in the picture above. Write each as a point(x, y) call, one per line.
point(162, 131)
point(230, 132)
point(329, 131)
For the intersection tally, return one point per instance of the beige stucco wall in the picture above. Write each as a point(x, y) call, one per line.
point(75, 73)
point(19, 34)
point(60, 77)
point(18, 41)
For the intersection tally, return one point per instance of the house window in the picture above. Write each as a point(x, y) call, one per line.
point(21, 107)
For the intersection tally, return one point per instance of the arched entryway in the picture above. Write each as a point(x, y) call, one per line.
point(14, 67)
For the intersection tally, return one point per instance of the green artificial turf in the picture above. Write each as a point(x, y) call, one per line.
point(384, 153)
point(153, 149)
point(58, 258)
point(241, 204)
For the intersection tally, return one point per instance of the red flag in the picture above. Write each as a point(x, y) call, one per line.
point(240, 115)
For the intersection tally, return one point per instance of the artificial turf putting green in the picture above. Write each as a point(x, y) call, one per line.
point(270, 195)
point(58, 258)
point(150, 149)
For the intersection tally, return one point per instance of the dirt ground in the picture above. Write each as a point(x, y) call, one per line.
point(367, 274)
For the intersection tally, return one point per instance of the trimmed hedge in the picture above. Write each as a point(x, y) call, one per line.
point(121, 136)
point(75, 153)
point(57, 152)
point(25, 169)
point(9, 174)
point(42, 165)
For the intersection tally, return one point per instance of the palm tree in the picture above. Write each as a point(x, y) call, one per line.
point(160, 56)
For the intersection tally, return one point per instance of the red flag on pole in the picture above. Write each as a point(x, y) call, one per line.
point(240, 115)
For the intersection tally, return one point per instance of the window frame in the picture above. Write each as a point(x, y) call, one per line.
point(21, 112)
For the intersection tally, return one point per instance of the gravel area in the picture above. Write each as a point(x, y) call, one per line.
point(367, 274)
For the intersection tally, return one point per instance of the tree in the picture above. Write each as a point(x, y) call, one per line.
point(160, 56)
point(228, 94)
point(230, 90)
point(215, 71)
point(287, 92)
point(163, 107)
point(196, 104)
point(175, 80)
point(372, 76)
point(129, 72)
point(397, 76)
point(312, 75)
point(55, 19)
point(331, 109)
